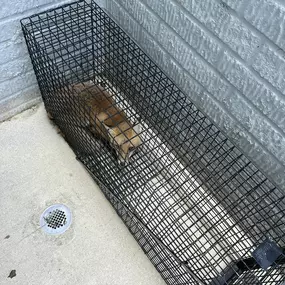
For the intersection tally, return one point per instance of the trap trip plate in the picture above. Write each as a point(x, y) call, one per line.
point(56, 219)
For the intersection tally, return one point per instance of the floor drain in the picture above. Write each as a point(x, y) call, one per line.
point(56, 219)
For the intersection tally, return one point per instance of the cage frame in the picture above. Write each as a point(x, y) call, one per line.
point(173, 134)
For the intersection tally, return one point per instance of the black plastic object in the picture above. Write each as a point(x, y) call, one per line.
point(266, 254)
point(195, 204)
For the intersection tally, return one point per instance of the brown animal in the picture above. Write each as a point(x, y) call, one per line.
point(108, 121)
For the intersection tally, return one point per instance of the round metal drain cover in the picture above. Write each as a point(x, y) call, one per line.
point(56, 219)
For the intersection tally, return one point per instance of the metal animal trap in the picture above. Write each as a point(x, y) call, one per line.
point(201, 211)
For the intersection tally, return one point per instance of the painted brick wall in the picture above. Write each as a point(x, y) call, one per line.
point(18, 87)
point(229, 57)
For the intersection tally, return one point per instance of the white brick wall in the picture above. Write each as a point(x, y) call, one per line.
point(228, 55)
point(18, 86)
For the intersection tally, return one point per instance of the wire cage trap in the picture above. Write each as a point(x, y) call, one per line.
point(200, 210)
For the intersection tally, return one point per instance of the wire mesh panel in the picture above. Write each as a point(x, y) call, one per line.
point(201, 211)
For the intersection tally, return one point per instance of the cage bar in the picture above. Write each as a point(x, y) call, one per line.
point(195, 204)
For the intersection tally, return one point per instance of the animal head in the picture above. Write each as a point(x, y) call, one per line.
point(125, 139)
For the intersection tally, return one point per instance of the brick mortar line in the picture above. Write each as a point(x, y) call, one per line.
point(240, 16)
point(34, 10)
point(250, 135)
point(263, 39)
point(9, 98)
point(15, 76)
point(207, 31)
point(15, 59)
point(223, 45)
point(13, 94)
point(19, 60)
point(242, 7)
point(213, 69)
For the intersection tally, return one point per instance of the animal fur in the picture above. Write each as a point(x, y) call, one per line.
point(108, 121)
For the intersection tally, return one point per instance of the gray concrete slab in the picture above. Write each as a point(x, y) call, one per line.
point(38, 169)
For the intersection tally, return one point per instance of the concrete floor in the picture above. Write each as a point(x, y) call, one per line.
point(38, 169)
